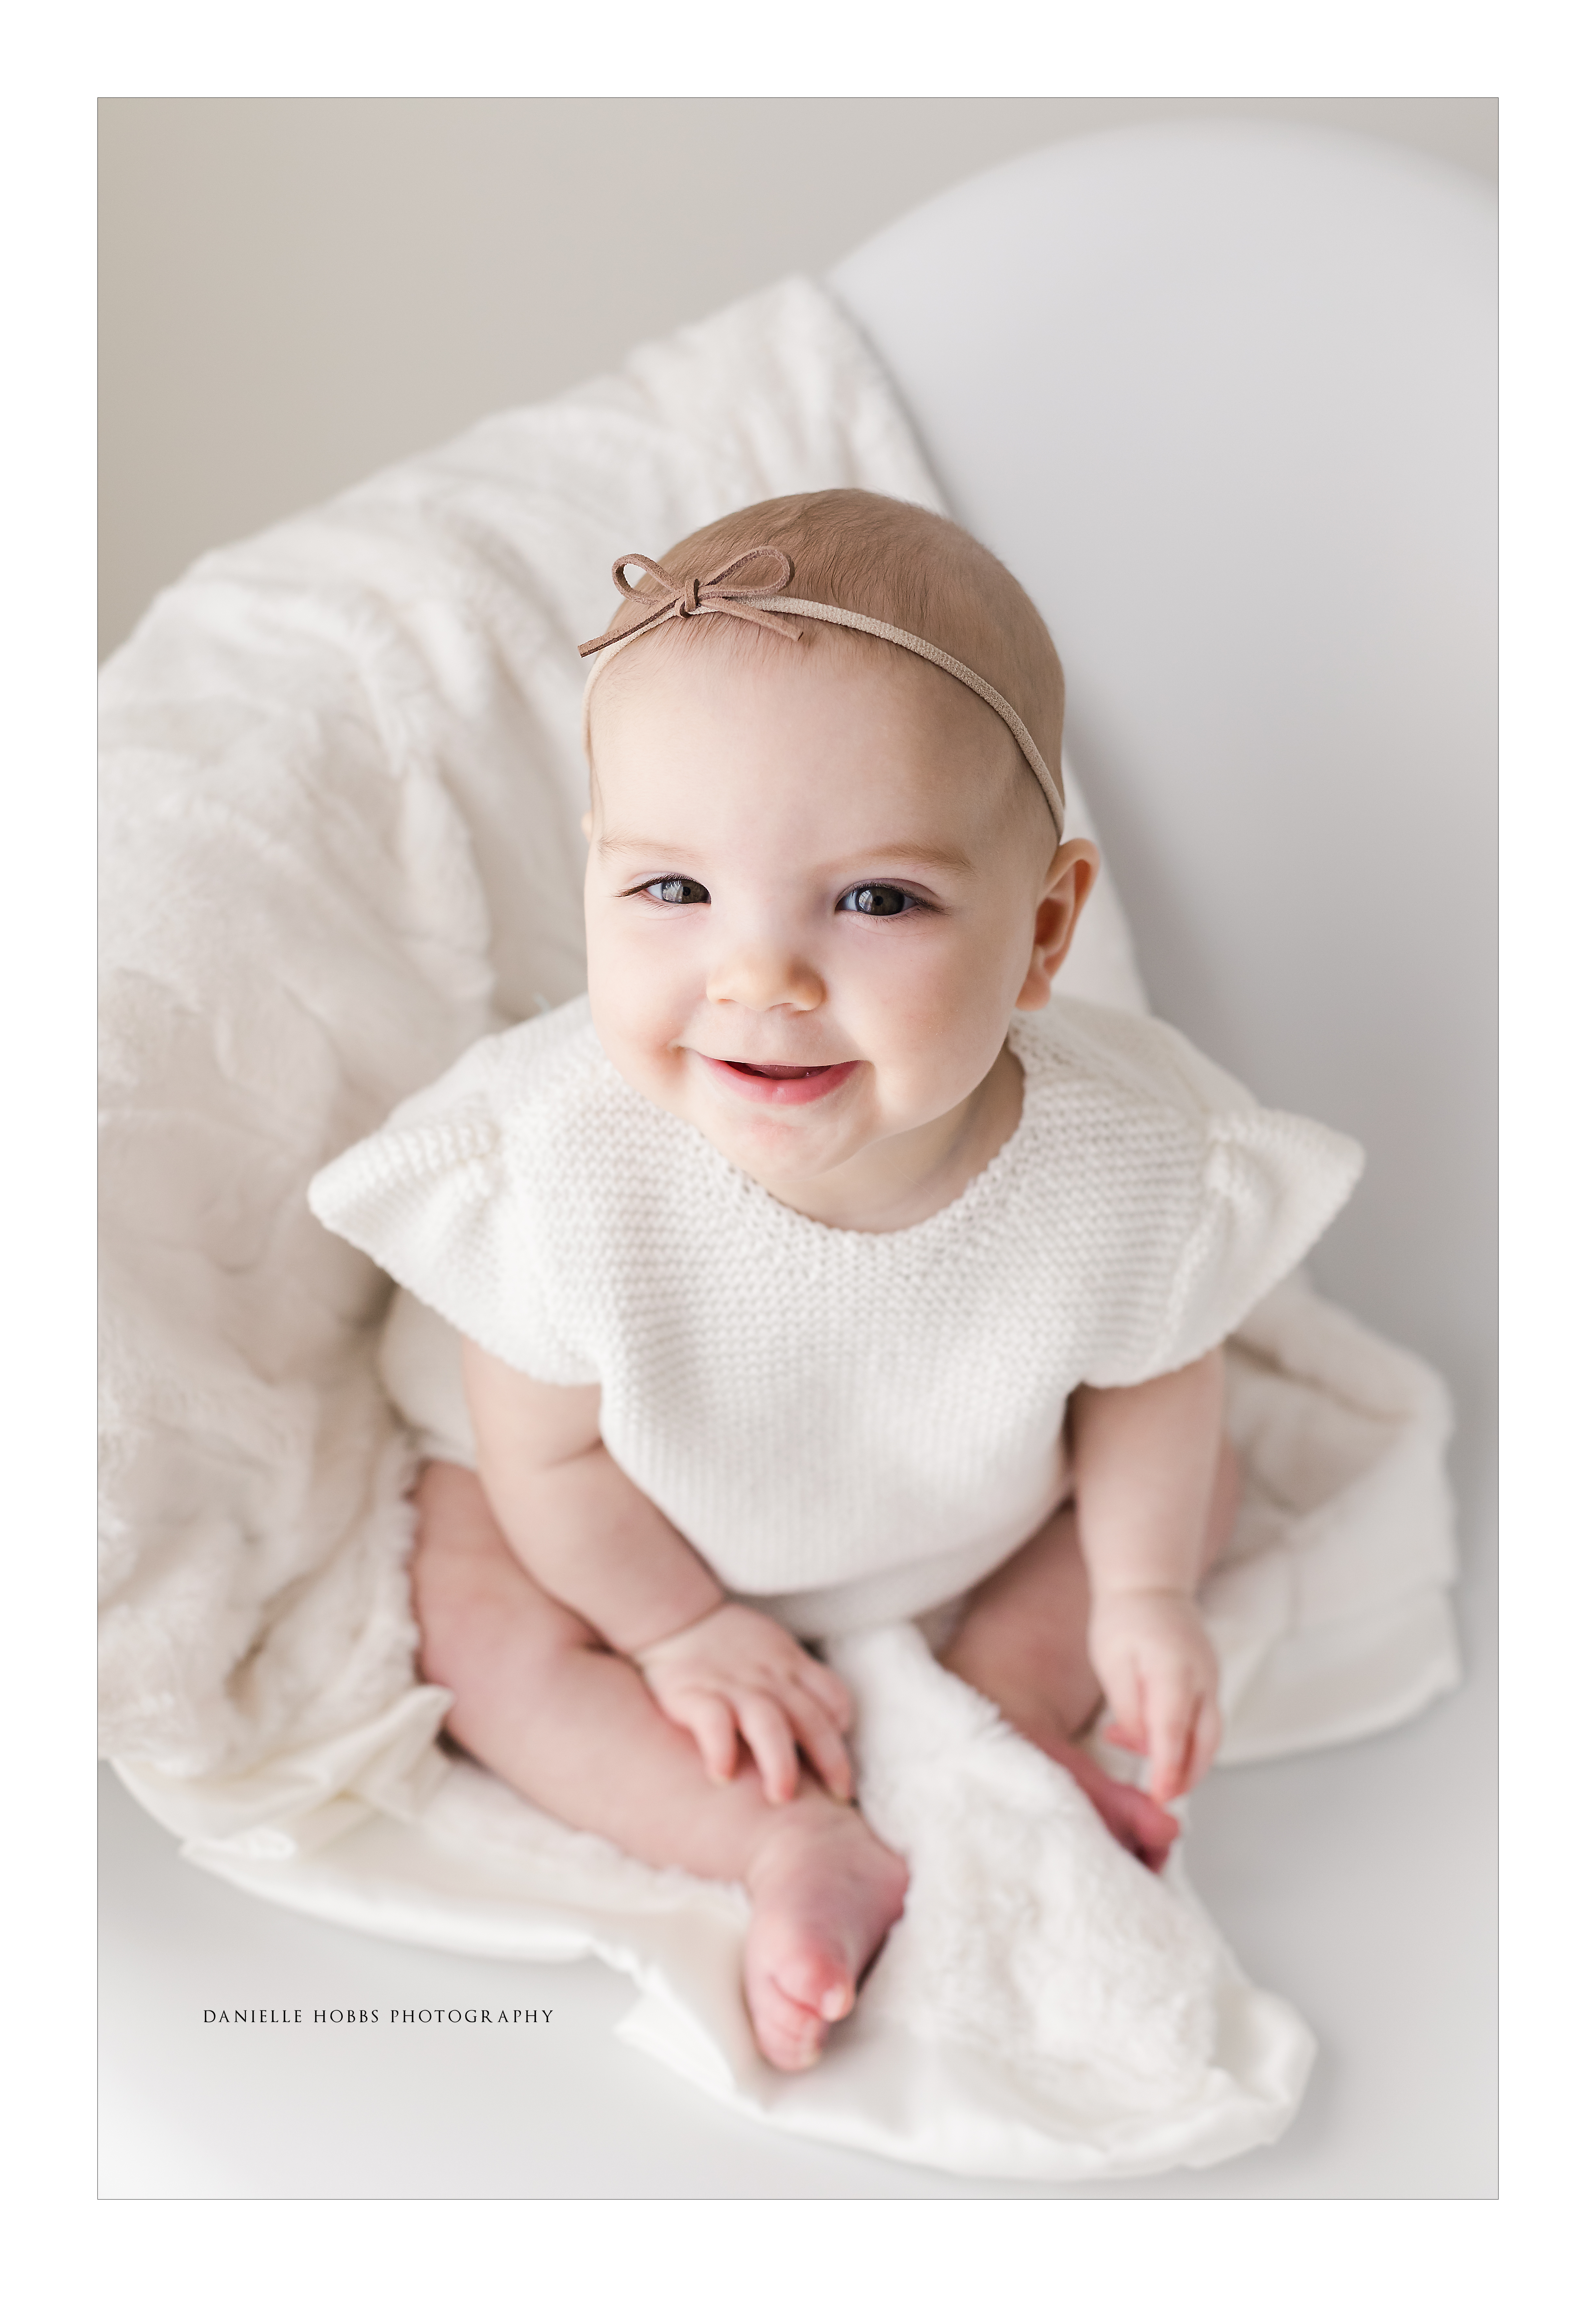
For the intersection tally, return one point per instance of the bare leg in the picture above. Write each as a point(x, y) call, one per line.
point(1023, 1642)
point(542, 1701)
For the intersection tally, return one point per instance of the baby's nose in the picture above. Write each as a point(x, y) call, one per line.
point(763, 974)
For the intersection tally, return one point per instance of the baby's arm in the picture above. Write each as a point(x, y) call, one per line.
point(598, 1545)
point(1145, 1459)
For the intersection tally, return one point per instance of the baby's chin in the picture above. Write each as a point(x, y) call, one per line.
point(783, 1131)
point(785, 1136)
point(791, 1134)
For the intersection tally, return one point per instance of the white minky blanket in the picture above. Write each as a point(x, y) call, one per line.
point(342, 784)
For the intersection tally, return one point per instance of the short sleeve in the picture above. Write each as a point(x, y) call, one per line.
point(1271, 1185)
point(432, 1199)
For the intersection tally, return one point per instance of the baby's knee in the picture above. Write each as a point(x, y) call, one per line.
point(476, 1607)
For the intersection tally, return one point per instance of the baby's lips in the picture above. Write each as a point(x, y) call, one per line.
point(816, 1060)
point(779, 1070)
point(775, 1085)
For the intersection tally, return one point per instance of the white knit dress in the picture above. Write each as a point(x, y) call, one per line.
point(849, 1427)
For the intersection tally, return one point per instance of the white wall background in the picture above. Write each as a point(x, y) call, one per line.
point(296, 291)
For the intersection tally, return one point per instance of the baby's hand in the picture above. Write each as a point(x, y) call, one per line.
point(738, 1673)
point(1157, 1665)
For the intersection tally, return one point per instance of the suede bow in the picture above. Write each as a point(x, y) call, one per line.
point(707, 594)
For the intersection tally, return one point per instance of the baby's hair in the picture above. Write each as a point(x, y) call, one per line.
point(896, 563)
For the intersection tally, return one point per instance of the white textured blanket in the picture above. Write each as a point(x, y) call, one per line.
point(343, 781)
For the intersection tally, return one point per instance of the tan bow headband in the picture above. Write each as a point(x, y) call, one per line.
point(714, 594)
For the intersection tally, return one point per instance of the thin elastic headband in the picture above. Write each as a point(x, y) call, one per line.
point(714, 594)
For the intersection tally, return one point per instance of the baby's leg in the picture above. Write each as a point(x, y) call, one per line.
point(542, 1701)
point(1023, 1642)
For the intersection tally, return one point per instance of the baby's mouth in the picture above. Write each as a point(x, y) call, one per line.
point(780, 1083)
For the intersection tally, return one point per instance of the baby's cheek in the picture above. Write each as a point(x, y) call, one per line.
point(641, 1037)
point(635, 1039)
point(627, 975)
point(944, 1029)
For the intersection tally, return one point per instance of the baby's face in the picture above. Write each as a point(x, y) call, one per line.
point(812, 897)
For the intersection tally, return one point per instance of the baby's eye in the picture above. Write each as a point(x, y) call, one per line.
point(877, 901)
point(676, 890)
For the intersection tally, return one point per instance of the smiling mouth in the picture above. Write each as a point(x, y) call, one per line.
point(775, 1069)
point(781, 1084)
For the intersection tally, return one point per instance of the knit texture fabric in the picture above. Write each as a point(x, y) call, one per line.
point(849, 1427)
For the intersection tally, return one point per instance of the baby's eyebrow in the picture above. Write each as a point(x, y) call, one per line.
point(930, 857)
point(649, 845)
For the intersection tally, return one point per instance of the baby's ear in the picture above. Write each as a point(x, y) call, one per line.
point(1069, 880)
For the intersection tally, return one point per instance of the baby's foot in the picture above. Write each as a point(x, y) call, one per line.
point(1147, 1829)
point(826, 1893)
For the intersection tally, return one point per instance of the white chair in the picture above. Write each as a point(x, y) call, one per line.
point(1224, 399)
point(1221, 397)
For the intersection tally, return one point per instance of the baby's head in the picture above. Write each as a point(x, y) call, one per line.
point(827, 856)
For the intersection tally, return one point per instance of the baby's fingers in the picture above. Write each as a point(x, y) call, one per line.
point(822, 1743)
point(1124, 1688)
point(713, 1727)
point(831, 1692)
point(770, 1742)
point(1172, 1723)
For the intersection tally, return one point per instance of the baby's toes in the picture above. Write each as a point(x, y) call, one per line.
point(797, 1987)
point(1145, 1827)
point(790, 2034)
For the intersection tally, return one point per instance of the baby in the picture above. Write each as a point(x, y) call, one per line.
point(817, 1269)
